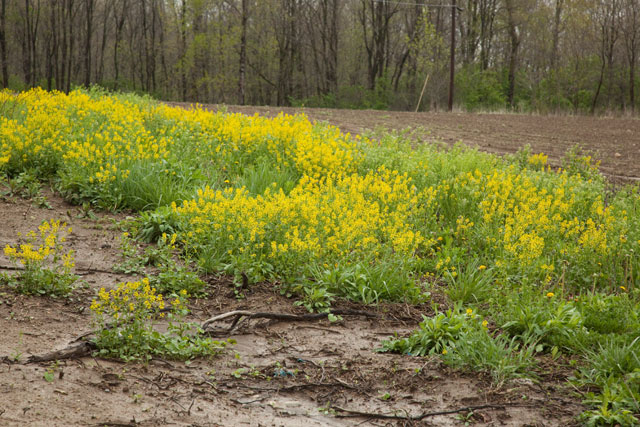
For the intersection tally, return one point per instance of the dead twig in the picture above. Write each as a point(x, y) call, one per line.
point(79, 272)
point(297, 386)
point(237, 315)
point(333, 331)
point(73, 351)
point(349, 413)
point(116, 424)
point(87, 271)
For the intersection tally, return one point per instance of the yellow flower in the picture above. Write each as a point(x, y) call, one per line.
point(469, 311)
point(550, 294)
point(444, 351)
point(484, 323)
point(482, 267)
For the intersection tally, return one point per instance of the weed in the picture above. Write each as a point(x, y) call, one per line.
point(552, 323)
point(463, 341)
point(471, 284)
point(172, 277)
point(436, 335)
point(124, 321)
point(50, 374)
point(47, 269)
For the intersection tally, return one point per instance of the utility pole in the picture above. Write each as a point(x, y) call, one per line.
point(453, 53)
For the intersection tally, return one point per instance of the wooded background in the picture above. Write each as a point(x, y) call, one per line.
point(526, 55)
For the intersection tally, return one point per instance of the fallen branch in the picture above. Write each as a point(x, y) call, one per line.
point(244, 314)
point(349, 413)
point(79, 272)
point(87, 271)
point(296, 387)
point(73, 351)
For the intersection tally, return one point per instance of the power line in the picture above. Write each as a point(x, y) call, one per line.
point(406, 3)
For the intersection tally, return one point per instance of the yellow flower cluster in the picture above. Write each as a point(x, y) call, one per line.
point(530, 215)
point(538, 160)
point(129, 300)
point(41, 246)
point(329, 199)
point(319, 219)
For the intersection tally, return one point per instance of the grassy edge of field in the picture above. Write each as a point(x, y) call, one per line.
point(496, 319)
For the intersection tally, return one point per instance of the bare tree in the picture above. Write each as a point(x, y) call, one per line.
point(631, 30)
point(514, 39)
point(3, 43)
point(375, 17)
point(89, 6)
point(605, 15)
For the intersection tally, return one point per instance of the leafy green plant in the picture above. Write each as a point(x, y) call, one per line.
point(617, 403)
point(463, 341)
point(608, 314)
point(501, 357)
point(153, 224)
point(614, 371)
point(125, 320)
point(553, 323)
point(132, 262)
point(46, 266)
point(314, 298)
point(471, 284)
point(173, 280)
point(436, 335)
point(577, 161)
point(50, 373)
point(171, 277)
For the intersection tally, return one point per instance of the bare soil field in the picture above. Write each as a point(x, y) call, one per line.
point(615, 141)
point(278, 374)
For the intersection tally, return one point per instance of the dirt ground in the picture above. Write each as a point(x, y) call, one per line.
point(278, 374)
point(613, 140)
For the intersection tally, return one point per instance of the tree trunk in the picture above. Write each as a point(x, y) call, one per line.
point(242, 66)
point(631, 29)
point(556, 33)
point(69, 21)
point(375, 16)
point(103, 43)
point(88, 6)
point(488, 12)
point(632, 83)
point(3, 43)
point(332, 57)
point(119, 21)
point(514, 39)
point(183, 45)
point(597, 94)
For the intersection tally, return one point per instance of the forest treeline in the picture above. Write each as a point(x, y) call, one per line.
point(526, 55)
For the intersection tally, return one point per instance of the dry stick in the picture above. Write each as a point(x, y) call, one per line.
point(238, 314)
point(424, 86)
point(348, 413)
point(299, 386)
point(80, 272)
point(82, 349)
